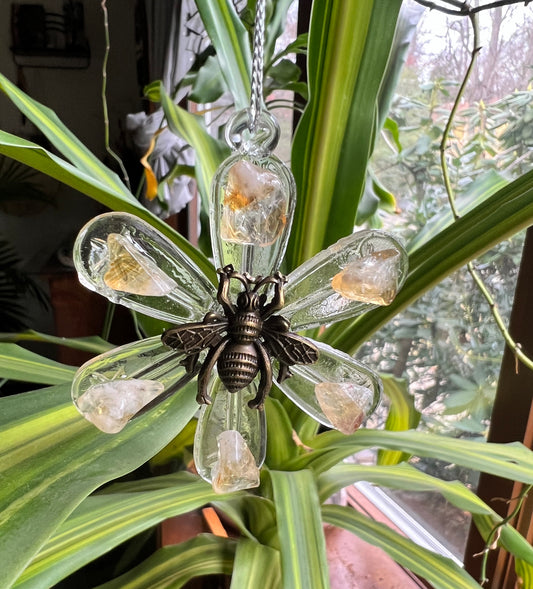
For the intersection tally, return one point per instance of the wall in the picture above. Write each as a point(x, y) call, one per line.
point(75, 95)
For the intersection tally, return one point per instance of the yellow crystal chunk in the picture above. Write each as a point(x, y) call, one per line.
point(132, 272)
point(345, 404)
point(254, 206)
point(110, 405)
point(371, 279)
point(235, 468)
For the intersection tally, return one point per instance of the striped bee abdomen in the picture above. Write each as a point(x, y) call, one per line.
point(238, 366)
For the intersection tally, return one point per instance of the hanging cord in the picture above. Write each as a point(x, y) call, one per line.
point(256, 98)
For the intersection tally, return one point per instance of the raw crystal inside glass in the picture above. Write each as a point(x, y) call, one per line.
point(370, 279)
point(345, 404)
point(251, 213)
point(228, 411)
point(338, 369)
point(110, 405)
point(110, 389)
point(310, 297)
point(235, 468)
point(126, 260)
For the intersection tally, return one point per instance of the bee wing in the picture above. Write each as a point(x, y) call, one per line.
point(356, 274)
point(194, 337)
point(336, 390)
point(290, 348)
point(110, 389)
point(129, 262)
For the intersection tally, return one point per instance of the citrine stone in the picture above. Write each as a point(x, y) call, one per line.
point(110, 405)
point(370, 279)
point(254, 205)
point(133, 272)
point(345, 404)
point(235, 468)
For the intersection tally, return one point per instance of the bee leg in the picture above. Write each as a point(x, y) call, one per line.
point(190, 362)
point(265, 384)
point(203, 376)
point(284, 372)
point(278, 300)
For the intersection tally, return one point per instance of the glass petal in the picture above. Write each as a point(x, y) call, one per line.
point(337, 391)
point(354, 275)
point(110, 389)
point(251, 213)
point(126, 260)
point(214, 455)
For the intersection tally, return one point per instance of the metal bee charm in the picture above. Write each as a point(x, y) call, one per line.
point(253, 336)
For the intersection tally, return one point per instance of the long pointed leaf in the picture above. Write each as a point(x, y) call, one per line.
point(303, 549)
point(255, 566)
point(102, 522)
point(16, 363)
point(51, 459)
point(441, 572)
point(334, 138)
point(61, 138)
point(230, 39)
point(93, 344)
point(173, 566)
point(39, 158)
point(502, 215)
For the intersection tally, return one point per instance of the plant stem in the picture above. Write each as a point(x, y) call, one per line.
point(104, 100)
point(514, 346)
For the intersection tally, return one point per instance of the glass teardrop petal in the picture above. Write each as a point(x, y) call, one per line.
point(350, 277)
point(110, 389)
point(129, 262)
point(337, 391)
point(252, 206)
point(229, 412)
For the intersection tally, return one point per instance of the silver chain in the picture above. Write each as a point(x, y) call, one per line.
point(256, 98)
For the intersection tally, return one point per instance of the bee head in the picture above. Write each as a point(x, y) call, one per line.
point(248, 301)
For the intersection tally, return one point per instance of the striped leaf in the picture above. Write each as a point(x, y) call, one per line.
point(209, 152)
point(402, 415)
point(441, 572)
point(51, 459)
point(93, 344)
point(512, 461)
point(173, 566)
point(16, 363)
point(230, 40)
point(62, 138)
point(334, 139)
point(503, 214)
point(303, 548)
point(255, 566)
point(102, 522)
point(40, 159)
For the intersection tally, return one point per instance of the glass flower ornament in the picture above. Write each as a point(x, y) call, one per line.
point(240, 339)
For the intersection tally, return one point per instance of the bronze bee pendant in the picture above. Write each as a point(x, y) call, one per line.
point(243, 341)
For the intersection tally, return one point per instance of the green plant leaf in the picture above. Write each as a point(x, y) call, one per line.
point(51, 459)
point(335, 136)
point(93, 344)
point(501, 215)
point(303, 548)
point(255, 566)
point(209, 152)
point(39, 158)
point(441, 572)
point(173, 566)
point(508, 538)
point(102, 522)
point(280, 444)
point(230, 39)
point(62, 138)
point(16, 363)
point(402, 415)
point(512, 461)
